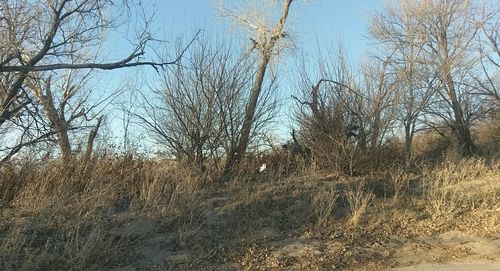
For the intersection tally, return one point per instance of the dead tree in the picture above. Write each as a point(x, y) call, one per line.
point(265, 42)
point(57, 36)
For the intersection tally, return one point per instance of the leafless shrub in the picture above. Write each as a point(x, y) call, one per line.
point(400, 179)
point(358, 200)
point(323, 204)
point(44, 39)
point(345, 115)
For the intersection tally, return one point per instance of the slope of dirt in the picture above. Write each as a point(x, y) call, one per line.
point(274, 227)
point(461, 266)
point(298, 223)
point(452, 250)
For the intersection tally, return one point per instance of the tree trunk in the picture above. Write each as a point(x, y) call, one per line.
point(374, 140)
point(408, 143)
point(266, 49)
point(57, 120)
point(199, 142)
point(91, 139)
point(461, 128)
point(63, 142)
point(238, 153)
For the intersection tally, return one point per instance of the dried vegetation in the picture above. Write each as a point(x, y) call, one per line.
point(155, 215)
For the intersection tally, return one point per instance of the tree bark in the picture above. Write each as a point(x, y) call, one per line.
point(91, 139)
point(246, 128)
point(460, 127)
point(57, 120)
point(409, 132)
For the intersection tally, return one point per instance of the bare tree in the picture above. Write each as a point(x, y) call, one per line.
point(377, 100)
point(445, 32)
point(266, 40)
point(400, 43)
point(329, 122)
point(68, 106)
point(51, 36)
point(448, 30)
point(489, 52)
point(199, 109)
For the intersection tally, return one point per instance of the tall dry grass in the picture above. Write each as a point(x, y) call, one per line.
point(80, 188)
point(323, 204)
point(358, 201)
point(57, 216)
point(453, 188)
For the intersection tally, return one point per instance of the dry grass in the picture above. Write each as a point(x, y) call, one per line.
point(108, 214)
point(454, 188)
point(67, 246)
point(60, 216)
point(358, 200)
point(323, 204)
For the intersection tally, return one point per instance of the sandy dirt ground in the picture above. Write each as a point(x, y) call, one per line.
point(456, 266)
point(462, 266)
point(449, 251)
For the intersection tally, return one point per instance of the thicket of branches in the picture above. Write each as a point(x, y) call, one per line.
point(50, 50)
point(431, 70)
point(198, 108)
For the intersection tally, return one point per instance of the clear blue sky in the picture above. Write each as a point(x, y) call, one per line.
point(325, 21)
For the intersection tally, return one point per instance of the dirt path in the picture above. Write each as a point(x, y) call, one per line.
point(462, 266)
point(453, 250)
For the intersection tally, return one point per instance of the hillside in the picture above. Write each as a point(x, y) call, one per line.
point(146, 215)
